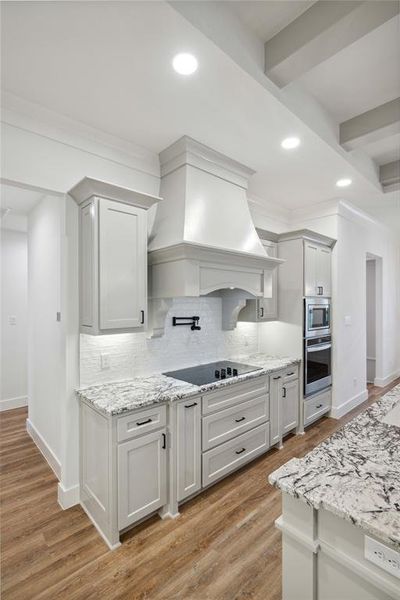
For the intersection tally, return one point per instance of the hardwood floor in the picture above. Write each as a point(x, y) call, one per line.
point(224, 546)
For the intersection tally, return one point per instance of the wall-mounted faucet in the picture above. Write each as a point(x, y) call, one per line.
point(192, 321)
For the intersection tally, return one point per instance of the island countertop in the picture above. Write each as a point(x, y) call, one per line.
point(121, 396)
point(355, 473)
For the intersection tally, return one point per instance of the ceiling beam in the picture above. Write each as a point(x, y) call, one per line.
point(376, 124)
point(389, 176)
point(324, 29)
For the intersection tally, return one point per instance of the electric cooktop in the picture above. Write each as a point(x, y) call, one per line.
point(211, 372)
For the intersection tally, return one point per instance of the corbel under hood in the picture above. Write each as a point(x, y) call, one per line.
point(203, 239)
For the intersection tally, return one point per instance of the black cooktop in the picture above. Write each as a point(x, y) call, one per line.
point(203, 374)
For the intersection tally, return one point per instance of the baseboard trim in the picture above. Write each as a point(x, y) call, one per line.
point(339, 411)
point(11, 403)
point(44, 448)
point(68, 497)
point(384, 381)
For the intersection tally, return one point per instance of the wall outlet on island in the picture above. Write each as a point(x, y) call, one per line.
point(104, 361)
point(383, 556)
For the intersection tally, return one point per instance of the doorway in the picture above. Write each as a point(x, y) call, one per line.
point(32, 353)
point(373, 317)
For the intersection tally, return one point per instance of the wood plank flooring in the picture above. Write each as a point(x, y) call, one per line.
point(224, 546)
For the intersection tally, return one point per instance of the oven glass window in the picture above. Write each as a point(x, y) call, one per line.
point(318, 364)
point(318, 317)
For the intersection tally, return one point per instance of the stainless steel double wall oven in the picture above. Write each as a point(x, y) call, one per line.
point(317, 345)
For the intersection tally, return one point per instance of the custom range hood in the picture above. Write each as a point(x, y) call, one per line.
point(203, 240)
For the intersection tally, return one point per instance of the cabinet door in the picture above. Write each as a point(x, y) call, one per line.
point(275, 408)
point(324, 271)
point(310, 269)
point(122, 265)
point(188, 448)
point(142, 480)
point(290, 405)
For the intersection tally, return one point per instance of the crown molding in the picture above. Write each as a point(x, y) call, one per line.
point(26, 115)
point(89, 187)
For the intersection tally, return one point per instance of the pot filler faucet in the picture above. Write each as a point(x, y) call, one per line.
point(192, 321)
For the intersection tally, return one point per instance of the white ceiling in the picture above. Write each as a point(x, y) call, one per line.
point(267, 17)
point(385, 150)
point(108, 65)
point(362, 76)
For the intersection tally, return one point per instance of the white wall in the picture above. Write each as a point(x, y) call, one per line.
point(14, 282)
point(132, 354)
point(45, 334)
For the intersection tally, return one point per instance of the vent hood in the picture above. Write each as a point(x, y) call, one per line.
point(203, 238)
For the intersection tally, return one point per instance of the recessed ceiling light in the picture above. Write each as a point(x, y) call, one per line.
point(185, 64)
point(290, 143)
point(343, 182)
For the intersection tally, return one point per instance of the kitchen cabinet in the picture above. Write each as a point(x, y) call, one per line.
point(290, 405)
point(317, 269)
point(113, 256)
point(264, 308)
point(142, 477)
point(284, 403)
point(113, 277)
point(188, 448)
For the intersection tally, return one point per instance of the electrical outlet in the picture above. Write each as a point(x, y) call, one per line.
point(386, 558)
point(12, 320)
point(104, 361)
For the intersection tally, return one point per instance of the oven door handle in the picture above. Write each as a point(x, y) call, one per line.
point(318, 348)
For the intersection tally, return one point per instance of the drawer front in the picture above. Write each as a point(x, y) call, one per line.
point(227, 424)
point(234, 393)
point(290, 374)
point(228, 457)
point(316, 406)
point(141, 422)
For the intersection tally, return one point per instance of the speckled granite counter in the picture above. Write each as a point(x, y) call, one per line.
point(122, 396)
point(355, 473)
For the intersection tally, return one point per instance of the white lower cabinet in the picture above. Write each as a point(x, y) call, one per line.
point(290, 405)
point(188, 448)
point(142, 477)
point(228, 457)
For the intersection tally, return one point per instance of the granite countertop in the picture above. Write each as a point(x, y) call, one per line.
point(355, 473)
point(122, 396)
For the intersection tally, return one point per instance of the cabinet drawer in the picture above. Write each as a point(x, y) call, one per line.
point(316, 406)
point(290, 374)
point(228, 457)
point(141, 422)
point(234, 393)
point(227, 424)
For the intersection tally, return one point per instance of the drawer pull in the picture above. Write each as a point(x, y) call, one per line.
point(277, 377)
point(319, 406)
point(241, 451)
point(241, 419)
point(284, 393)
point(288, 374)
point(190, 405)
point(143, 422)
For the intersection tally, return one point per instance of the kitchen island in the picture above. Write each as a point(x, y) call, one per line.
point(341, 512)
point(150, 443)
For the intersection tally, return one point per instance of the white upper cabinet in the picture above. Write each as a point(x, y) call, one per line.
point(122, 265)
point(317, 269)
point(113, 257)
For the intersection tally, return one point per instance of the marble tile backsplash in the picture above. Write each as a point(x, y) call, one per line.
point(132, 354)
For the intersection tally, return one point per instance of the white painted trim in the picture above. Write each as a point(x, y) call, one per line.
point(67, 497)
point(110, 546)
point(10, 403)
point(35, 118)
point(44, 448)
point(384, 381)
point(297, 535)
point(339, 411)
